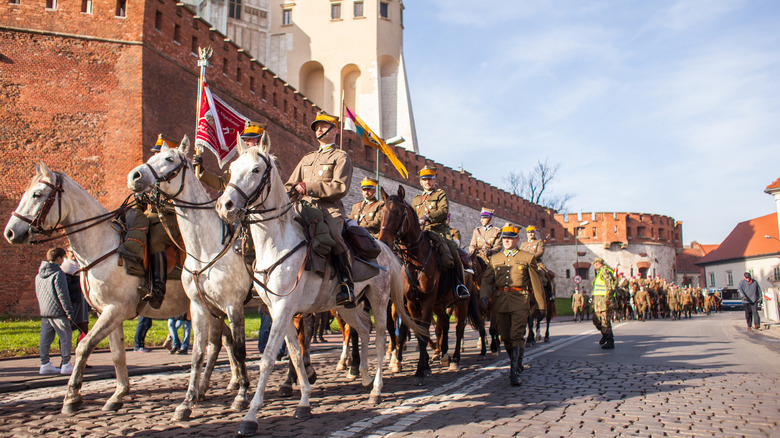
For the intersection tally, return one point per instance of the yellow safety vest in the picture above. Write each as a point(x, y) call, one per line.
point(599, 285)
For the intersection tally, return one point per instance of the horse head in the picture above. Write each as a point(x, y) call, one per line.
point(35, 213)
point(398, 217)
point(252, 180)
point(163, 170)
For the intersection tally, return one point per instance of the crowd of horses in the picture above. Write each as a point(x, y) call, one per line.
point(411, 288)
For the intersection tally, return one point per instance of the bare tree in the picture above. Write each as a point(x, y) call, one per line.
point(533, 185)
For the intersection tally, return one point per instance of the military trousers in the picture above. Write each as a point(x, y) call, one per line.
point(511, 328)
point(336, 226)
point(602, 315)
point(158, 237)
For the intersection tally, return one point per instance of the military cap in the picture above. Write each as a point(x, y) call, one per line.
point(322, 116)
point(163, 141)
point(510, 231)
point(530, 228)
point(253, 129)
point(369, 183)
point(486, 212)
point(427, 172)
point(598, 260)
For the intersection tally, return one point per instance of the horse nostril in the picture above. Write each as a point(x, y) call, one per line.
point(229, 205)
point(136, 176)
point(9, 234)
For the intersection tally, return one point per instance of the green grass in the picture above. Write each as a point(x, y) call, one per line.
point(563, 307)
point(20, 337)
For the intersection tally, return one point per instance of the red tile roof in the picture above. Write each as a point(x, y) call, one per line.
point(686, 260)
point(747, 240)
point(774, 185)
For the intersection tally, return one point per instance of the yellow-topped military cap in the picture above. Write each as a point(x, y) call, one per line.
point(530, 228)
point(510, 231)
point(428, 172)
point(163, 141)
point(369, 183)
point(322, 116)
point(253, 129)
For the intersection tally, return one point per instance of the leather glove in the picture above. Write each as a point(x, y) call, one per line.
point(140, 198)
point(484, 302)
point(197, 160)
point(301, 188)
point(424, 219)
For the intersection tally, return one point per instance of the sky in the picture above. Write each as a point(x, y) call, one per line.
point(663, 107)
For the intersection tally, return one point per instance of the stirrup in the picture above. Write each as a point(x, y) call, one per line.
point(461, 291)
point(349, 301)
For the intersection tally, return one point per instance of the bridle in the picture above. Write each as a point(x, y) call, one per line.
point(36, 223)
point(254, 200)
point(167, 177)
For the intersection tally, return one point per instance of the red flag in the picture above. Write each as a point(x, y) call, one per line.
point(219, 126)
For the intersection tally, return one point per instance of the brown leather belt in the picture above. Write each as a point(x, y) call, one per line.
point(511, 289)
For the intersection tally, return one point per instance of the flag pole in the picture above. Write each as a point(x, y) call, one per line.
point(203, 61)
point(341, 125)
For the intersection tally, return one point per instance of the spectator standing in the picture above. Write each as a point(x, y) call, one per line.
point(751, 298)
point(144, 324)
point(80, 307)
point(183, 321)
point(51, 288)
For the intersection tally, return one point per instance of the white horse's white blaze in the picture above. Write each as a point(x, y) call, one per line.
point(111, 291)
point(223, 286)
point(274, 239)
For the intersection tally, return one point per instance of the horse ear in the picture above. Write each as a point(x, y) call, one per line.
point(401, 192)
point(241, 146)
point(37, 169)
point(45, 171)
point(383, 193)
point(265, 143)
point(184, 146)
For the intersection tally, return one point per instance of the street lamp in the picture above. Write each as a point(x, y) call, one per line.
point(576, 246)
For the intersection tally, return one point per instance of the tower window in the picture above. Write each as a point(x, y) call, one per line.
point(121, 8)
point(51, 4)
point(286, 17)
point(335, 11)
point(384, 9)
point(359, 9)
point(234, 9)
point(158, 20)
point(194, 45)
point(177, 34)
point(86, 6)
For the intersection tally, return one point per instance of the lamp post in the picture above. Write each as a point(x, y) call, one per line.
point(576, 245)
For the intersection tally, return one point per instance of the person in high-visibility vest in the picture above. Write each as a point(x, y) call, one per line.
point(603, 288)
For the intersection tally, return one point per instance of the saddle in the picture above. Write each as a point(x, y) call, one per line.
point(139, 267)
point(442, 250)
point(363, 248)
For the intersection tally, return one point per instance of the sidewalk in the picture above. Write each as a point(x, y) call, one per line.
point(18, 374)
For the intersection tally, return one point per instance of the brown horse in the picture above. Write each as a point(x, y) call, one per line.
point(548, 313)
point(428, 289)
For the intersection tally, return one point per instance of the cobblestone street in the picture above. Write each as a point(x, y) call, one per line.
point(570, 388)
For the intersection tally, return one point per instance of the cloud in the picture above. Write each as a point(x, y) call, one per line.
point(685, 15)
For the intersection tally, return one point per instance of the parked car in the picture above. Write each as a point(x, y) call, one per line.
point(730, 299)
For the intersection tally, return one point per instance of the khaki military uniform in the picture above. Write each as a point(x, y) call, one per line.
point(327, 174)
point(216, 182)
point(455, 235)
point(437, 207)
point(577, 302)
point(510, 279)
point(641, 303)
point(485, 241)
point(368, 215)
point(535, 247)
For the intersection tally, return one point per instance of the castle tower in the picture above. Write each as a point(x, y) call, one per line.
point(325, 47)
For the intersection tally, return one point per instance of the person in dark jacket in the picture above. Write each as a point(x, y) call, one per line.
point(751, 298)
point(51, 288)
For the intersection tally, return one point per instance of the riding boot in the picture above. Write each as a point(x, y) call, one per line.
point(159, 270)
point(610, 344)
point(603, 339)
point(346, 295)
point(515, 366)
point(461, 291)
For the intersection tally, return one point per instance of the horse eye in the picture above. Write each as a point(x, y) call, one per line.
point(256, 170)
point(169, 159)
point(36, 195)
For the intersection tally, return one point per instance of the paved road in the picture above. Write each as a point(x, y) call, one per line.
point(704, 376)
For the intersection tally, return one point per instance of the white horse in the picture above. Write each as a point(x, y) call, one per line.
point(214, 276)
point(54, 200)
point(287, 288)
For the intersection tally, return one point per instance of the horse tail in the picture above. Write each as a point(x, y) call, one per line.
point(397, 273)
point(475, 318)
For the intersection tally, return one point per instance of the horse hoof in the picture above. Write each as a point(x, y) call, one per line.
point(201, 396)
point(313, 378)
point(232, 386)
point(113, 406)
point(445, 360)
point(239, 405)
point(71, 408)
point(368, 388)
point(481, 357)
point(454, 366)
point(248, 428)
point(340, 366)
point(419, 381)
point(302, 412)
point(395, 369)
point(182, 414)
point(375, 399)
point(285, 391)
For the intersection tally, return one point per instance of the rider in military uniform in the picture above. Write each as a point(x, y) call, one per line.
point(486, 240)
point(368, 212)
point(323, 178)
point(510, 280)
point(454, 233)
point(253, 131)
point(603, 289)
point(142, 219)
point(533, 245)
point(432, 209)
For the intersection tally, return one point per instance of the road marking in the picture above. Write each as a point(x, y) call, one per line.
point(417, 408)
